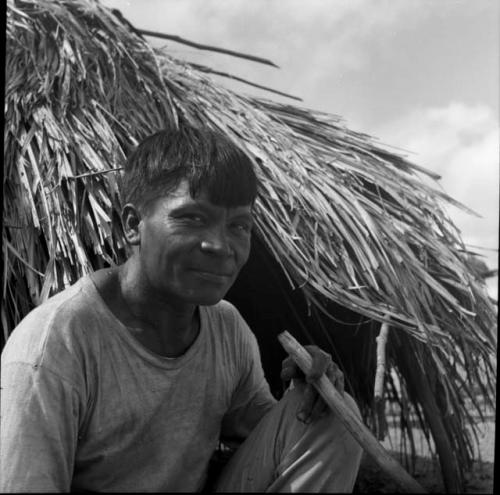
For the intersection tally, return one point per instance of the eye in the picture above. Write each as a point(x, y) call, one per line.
point(192, 218)
point(241, 227)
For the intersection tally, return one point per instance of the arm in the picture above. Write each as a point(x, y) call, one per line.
point(252, 397)
point(39, 429)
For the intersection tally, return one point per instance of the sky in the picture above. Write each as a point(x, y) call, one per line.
point(419, 75)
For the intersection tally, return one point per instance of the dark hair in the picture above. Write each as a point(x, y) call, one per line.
point(206, 158)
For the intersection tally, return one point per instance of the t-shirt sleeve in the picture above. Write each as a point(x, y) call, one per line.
point(40, 415)
point(252, 398)
point(39, 430)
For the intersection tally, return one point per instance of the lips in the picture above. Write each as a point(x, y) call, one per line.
point(214, 276)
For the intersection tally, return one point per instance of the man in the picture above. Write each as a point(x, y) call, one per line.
point(128, 380)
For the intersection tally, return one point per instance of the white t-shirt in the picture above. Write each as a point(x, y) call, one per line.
point(86, 407)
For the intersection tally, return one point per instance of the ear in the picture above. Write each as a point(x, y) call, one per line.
point(131, 219)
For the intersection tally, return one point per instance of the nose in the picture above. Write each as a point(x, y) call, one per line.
point(215, 242)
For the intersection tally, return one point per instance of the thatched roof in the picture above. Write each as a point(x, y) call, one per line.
point(347, 220)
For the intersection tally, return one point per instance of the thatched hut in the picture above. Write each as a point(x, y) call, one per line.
point(348, 235)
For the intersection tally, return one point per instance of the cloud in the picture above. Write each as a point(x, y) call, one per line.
point(461, 143)
point(312, 34)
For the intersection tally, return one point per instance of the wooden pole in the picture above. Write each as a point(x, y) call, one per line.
point(418, 380)
point(378, 389)
point(354, 425)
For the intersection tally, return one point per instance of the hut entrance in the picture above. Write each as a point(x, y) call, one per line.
point(270, 305)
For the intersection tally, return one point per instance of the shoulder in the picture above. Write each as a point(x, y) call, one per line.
point(226, 314)
point(228, 326)
point(224, 309)
point(53, 329)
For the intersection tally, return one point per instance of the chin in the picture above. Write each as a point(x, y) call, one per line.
point(207, 298)
point(206, 293)
point(210, 303)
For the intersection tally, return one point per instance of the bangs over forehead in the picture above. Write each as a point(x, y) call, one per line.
point(208, 160)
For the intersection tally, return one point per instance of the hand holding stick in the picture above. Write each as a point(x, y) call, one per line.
point(350, 420)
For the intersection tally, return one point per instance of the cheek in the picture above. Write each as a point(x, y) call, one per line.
point(243, 252)
point(157, 258)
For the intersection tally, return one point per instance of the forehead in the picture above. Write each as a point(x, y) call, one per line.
point(181, 197)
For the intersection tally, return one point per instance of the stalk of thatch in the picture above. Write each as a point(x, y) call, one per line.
point(347, 220)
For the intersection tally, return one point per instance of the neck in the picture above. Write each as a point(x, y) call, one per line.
point(166, 327)
point(148, 306)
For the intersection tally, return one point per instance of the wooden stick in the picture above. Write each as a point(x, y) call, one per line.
point(245, 81)
point(378, 389)
point(354, 425)
point(144, 32)
point(200, 46)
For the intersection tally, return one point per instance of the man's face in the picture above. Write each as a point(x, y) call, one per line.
point(192, 250)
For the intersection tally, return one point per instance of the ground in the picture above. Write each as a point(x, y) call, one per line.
point(371, 479)
point(427, 472)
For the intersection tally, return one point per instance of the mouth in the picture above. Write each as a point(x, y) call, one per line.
point(217, 277)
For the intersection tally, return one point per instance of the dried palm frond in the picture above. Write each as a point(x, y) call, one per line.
point(348, 221)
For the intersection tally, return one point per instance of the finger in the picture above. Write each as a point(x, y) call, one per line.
point(286, 374)
point(289, 370)
point(333, 373)
point(339, 383)
point(319, 363)
point(306, 405)
point(319, 366)
point(336, 376)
